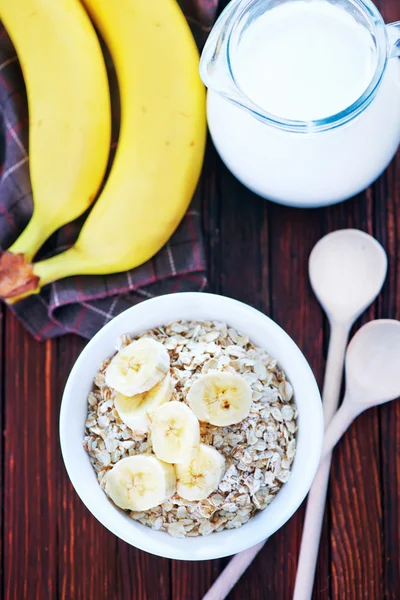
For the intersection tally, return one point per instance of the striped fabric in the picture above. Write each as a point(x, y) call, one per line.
point(84, 304)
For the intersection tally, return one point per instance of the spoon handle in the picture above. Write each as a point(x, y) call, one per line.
point(334, 369)
point(317, 495)
point(339, 424)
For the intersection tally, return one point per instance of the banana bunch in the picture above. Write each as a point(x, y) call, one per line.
point(161, 143)
point(69, 111)
point(143, 390)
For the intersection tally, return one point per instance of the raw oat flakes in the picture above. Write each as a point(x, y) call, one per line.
point(259, 450)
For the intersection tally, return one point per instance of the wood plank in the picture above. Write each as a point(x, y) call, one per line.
point(244, 249)
point(191, 580)
point(293, 233)
point(141, 575)
point(210, 194)
point(387, 225)
point(30, 466)
point(354, 496)
point(86, 551)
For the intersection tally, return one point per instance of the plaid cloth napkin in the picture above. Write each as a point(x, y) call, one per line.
point(84, 304)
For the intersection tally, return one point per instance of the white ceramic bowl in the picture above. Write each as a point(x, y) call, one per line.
point(263, 332)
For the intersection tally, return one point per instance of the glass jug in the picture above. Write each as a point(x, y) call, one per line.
point(302, 162)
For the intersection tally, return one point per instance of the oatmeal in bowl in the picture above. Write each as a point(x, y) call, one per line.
point(191, 426)
point(217, 427)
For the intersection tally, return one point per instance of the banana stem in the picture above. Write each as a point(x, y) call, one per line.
point(17, 278)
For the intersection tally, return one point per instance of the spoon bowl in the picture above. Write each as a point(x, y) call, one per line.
point(373, 364)
point(347, 269)
point(372, 376)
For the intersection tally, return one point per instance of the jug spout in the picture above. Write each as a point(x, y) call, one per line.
point(214, 63)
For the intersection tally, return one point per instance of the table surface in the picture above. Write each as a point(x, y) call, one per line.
point(258, 253)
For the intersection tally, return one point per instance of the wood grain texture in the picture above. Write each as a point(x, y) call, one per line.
point(30, 465)
point(293, 234)
point(53, 548)
point(387, 226)
point(86, 552)
point(355, 533)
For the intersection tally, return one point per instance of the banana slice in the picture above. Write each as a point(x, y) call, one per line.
point(138, 367)
point(197, 479)
point(220, 398)
point(175, 432)
point(137, 411)
point(140, 482)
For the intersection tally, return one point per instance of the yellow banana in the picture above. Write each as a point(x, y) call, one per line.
point(160, 149)
point(69, 111)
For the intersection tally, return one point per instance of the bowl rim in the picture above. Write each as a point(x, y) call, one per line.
point(242, 541)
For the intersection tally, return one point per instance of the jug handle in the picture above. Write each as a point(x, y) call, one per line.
point(394, 39)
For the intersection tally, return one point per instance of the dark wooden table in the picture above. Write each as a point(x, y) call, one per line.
point(258, 252)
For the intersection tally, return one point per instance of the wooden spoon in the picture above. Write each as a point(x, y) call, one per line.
point(372, 375)
point(347, 270)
